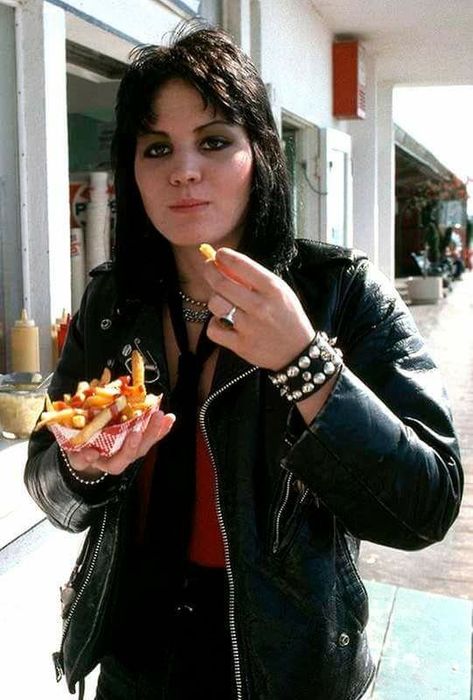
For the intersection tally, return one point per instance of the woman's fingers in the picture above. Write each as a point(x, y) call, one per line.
point(135, 445)
point(269, 325)
point(151, 437)
point(241, 268)
point(226, 288)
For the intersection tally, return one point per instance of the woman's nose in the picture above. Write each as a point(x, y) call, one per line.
point(186, 170)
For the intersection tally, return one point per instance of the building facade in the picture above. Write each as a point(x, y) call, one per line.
point(60, 65)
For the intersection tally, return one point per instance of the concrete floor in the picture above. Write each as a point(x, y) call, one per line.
point(446, 567)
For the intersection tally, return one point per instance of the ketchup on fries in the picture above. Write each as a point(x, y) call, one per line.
point(101, 402)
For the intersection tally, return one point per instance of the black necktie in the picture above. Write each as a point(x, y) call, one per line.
point(173, 492)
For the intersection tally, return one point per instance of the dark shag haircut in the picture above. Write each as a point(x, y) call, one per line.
point(208, 59)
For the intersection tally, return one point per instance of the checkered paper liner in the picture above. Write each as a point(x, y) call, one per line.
point(108, 440)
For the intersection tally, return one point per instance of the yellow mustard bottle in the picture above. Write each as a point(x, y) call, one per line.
point(25, 345)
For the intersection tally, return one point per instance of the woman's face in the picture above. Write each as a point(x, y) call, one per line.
point(193, 170)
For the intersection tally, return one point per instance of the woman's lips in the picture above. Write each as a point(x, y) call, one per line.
point(186, 205)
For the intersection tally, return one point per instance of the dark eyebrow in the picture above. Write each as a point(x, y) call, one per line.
point(155, 132)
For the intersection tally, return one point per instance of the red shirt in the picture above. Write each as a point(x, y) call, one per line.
point(206, 543)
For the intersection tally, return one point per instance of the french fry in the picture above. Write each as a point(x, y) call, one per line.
point(109, 391)
point(207, 251)
point(78, 421)
point(96, 403)
point(135, 394)
point(81, 387)
point(106, 377)
point(54, 417)
point(137, 368)
point(99, 422)
point(210, 253)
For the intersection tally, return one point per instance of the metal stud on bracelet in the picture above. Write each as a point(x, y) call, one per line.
point(75, 474)
point(308, 373)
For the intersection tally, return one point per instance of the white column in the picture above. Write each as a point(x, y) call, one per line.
point(237, 21)
point(44, 165)
point(386, 186)
point(365, 170)
point(255, 32)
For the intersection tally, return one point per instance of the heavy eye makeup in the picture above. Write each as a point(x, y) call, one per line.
point(159, 149)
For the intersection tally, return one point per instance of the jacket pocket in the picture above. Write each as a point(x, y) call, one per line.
point(287, 512)
point(354, 591)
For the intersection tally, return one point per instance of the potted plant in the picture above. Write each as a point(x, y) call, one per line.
point(428, 289)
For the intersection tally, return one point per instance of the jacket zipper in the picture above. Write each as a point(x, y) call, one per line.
point(231, 584)
point(58, 656)
point(280, 510)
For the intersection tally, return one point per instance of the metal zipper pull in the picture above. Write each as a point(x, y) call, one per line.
point(58, 665)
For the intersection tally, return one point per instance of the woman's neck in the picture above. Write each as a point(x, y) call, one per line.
point(190, 273)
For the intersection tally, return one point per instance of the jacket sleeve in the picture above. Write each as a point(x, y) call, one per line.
point(67, 504)
point(382, 453)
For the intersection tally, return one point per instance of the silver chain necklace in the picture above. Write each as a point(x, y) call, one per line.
point(199, 315)
point(192, 301)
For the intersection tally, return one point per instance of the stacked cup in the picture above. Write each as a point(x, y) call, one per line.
point(98, 221)
point(78, 273)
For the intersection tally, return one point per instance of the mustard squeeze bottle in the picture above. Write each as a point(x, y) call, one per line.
point(25, 345)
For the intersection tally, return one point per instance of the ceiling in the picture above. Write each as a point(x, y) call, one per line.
point(415, 41)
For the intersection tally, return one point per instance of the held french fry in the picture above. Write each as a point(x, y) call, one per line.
point(99, 422)
point(208, 251)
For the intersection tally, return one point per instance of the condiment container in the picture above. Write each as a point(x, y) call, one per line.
point(25, 345)
point(21, 403)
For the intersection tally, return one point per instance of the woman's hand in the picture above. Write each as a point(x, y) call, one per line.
point(270, 325)
point(90, 464)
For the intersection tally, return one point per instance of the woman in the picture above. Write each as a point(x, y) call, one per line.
point(221, 555)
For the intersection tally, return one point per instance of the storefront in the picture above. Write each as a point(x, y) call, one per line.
point(61, 63)
point(60, 67)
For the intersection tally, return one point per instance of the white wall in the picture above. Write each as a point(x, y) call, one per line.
point(296, 61)
point(146, 23)
point(296, 52)
point(385, 137)
point(365, 166)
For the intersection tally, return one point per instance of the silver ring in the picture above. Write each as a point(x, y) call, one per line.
point(229, 319)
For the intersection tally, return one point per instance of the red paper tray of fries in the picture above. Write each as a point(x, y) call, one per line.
point(102, 412)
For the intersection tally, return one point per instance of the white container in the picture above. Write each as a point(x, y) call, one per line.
point(78, 273)
point(24, 338)
point(425, 290)
point(98, 221)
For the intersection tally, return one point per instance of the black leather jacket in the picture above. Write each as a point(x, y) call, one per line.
point(380, 462)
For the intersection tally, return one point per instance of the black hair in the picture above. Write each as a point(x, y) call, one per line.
point(209, 60)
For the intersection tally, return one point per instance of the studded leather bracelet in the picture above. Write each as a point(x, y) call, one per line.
point(308, 372)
